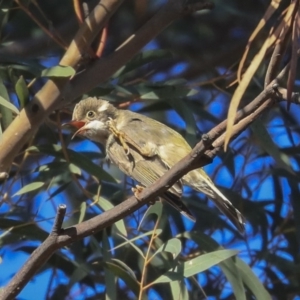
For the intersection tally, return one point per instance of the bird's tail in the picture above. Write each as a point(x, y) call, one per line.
point(176, 202)
point(202, 183)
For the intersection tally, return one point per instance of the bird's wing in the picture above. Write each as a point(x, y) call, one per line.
point(153, 138)
point(146, 170)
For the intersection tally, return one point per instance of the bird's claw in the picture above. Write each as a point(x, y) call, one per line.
point(137, 190)
point(119, 135)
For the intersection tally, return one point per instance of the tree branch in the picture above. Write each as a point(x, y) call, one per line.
point(36, 260)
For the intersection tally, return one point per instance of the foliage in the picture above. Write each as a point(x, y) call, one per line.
point(187, 73)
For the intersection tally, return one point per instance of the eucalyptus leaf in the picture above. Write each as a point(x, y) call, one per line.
point(106, 205)
point(172, 246)
point(76, 158)
point(269, 146)
point(141, 59)
point(157, 232)
point(22, 91)
point(16, 230)
point(29, 188)
point(179, 290)
point(252, 281)
point(185, 112)
point(195, 265)
point(119, 272)
point(8, 105)
point(6, 112)
point(109, 276)
point(156, 209)
point(82, 211)
point(58, 71)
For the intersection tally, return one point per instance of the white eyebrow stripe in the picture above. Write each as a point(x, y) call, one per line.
point(103, 107)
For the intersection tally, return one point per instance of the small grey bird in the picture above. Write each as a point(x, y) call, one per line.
point(144, 149)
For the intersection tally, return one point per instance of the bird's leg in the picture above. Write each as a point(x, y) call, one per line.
point(137, 190)
point(119, 135)
point(148, 150)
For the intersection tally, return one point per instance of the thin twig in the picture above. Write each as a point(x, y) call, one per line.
point(102, 42)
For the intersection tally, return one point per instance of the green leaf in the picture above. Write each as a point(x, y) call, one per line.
point(269, 146)
point(59, 189)
point(252, 282)
point(172, 246)
point(160, 91)
point(106, 205)
point(110, 280)
point(8, 105)
point(14, 231)
point(29, 188)
point(179, 290)
point(195, 265)
point(58, 71)
point(157, 232)
point(121, 273)
point(186, 114)
point(156, 209)
point(82, 210)
point(6, 113)
point(228, 266)
point(22, 91)
point(141, 59)
point(76, 158)
point(74, 169)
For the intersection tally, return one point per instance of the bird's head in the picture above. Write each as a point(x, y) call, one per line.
point(90, 117)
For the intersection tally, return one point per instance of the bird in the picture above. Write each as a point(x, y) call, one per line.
point(144, 149)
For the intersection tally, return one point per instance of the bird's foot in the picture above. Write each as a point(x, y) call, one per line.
point(137, 190)
point(119, 135)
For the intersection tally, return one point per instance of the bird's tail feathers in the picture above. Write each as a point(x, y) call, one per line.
point(223, 204)
point(176, 202)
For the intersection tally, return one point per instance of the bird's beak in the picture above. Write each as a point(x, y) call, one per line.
point(79, 125)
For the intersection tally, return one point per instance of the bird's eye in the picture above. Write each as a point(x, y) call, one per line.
point(90, 114)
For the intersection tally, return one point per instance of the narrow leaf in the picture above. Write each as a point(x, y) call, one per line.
point(106, 205)
point(82, 210)
point(270, 147)
point(195, 265)
point(109, 276)
point(58, 71)
point(22, 91)
point(29, 188)
point(8, 105)
point(156, 209)
point(130, 281)
point(76, 158)
point(6, 114)
point(172, 246)
point(252, 282)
